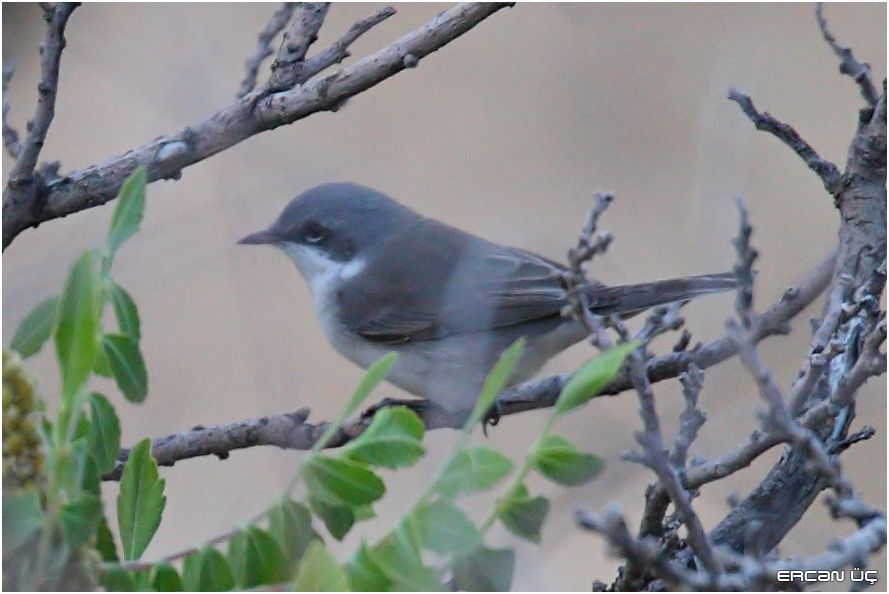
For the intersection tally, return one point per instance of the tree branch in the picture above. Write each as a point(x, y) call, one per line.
point(791, 486)
point(166, 156)
point(22, 195)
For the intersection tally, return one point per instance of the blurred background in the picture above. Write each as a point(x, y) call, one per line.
point(506, 133)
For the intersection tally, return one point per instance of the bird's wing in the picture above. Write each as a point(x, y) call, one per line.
point(464, 284)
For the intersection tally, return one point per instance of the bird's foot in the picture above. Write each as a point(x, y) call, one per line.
point(492, 417)
point(417, 405)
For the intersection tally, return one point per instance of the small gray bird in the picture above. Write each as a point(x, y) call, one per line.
point(384, 278)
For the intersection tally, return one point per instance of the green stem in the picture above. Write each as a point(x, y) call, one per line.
point(519, 477)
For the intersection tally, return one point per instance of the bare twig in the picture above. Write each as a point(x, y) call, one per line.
point(691, 419)
point(744, 268)
point(574, 280)
point(10, 136)
point(654, 456)
point(276, 24)
point(166, 156)
point(644, 552)
point(826, 170)
point(859, 71)
point(339, 50)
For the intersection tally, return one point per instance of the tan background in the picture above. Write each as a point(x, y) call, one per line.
point(504, 133)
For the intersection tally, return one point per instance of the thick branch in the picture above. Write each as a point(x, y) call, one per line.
point(791, 485)
point(166, 156)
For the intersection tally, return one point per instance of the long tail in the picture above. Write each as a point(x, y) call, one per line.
point(628, 300)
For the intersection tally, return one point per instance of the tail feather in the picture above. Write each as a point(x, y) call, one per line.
point(631, 299)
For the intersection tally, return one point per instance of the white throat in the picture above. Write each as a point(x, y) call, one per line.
point(322, 273)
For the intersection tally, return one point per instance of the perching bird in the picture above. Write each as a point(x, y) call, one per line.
point(384, 278)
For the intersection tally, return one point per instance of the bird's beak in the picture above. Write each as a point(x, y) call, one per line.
point(261, 238)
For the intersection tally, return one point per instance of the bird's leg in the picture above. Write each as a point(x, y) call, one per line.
point(418, 405)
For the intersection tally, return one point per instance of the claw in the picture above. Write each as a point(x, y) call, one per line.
point(491, 418)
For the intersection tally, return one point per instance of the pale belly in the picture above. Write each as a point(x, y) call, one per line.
point(450, 371)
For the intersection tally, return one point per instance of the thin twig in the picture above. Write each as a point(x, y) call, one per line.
point(654, 456)
point(691, 419)
point(859, 71)
point(276, 24)
point(827, 171)
point(339, 50)
point(21, 177)
point(10, 136)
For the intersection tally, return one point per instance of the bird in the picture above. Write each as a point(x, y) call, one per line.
point(384, 278)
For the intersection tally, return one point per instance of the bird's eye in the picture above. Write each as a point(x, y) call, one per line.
point(314, 233)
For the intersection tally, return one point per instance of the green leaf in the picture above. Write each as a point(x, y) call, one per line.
point(165, 578)
point(365, 574)
point(342, 481)
point(127, 366)
point(394, 439)
point(363, 512)
point(118, 579)
point(484, 570)
point(22, 515)
point(496, 381)
point(398, 556)
point(338, 519)
point(102, 366)
point(207, 571)
point(522, 515)
point(36, 327)
point(105, 542)
point(141, 500)
point(291, 525)
point(472, 470)
point(129, 210)
point(558, 459)
point(141, 580)
point(104, 433)
point(375, 374)
point(319, 572)
point(593, 376)
point(90, 478)
point(126, 312)
point(442, 527)
point(80, 518)
point(256, 558)
point(77, 330)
